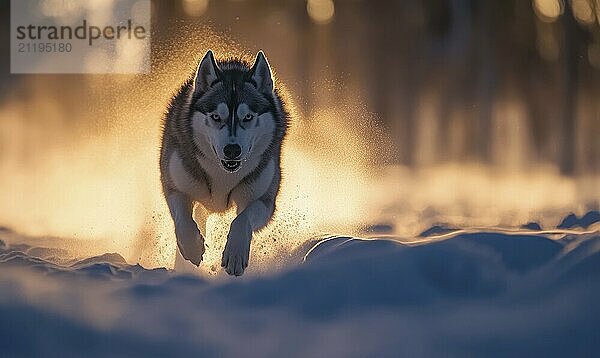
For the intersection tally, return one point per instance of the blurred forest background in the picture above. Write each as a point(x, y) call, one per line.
point(512, 83)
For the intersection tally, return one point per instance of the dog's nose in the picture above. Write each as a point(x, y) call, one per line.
point(232, 151)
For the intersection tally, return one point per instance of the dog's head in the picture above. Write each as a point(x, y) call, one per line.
point(233, 109)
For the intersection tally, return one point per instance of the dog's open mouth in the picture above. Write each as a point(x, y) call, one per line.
point(231, 165)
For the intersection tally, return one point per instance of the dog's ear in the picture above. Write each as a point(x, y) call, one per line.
point(261, 74)
point(207, 74)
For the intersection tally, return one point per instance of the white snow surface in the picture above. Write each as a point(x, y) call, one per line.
point(454, 293)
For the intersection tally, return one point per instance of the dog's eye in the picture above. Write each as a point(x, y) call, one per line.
point(248, 117)
point(215, 117)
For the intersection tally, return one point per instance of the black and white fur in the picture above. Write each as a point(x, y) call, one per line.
point(226, 104)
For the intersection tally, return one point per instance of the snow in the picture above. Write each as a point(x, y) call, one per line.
point(454, 292)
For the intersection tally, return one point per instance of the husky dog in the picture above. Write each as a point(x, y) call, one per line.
point(221, 146)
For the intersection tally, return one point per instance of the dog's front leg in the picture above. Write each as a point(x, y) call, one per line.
point(237, 249)
point(189, 239)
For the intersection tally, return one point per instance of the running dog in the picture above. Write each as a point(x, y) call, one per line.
point(221, 147)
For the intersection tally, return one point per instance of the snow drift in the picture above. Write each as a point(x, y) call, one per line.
point(462, 292)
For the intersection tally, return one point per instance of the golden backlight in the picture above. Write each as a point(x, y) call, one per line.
point(93, 180)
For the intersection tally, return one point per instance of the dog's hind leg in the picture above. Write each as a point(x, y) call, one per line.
point(189, 239)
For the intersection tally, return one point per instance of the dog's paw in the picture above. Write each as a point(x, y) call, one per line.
point(190, 243)
point(237, 249)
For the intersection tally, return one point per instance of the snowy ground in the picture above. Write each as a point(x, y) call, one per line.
point(453, 293)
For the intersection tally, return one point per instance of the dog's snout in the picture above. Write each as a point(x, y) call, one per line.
point(232, 151)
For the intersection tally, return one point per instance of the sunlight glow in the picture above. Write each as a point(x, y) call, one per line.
point(320, 11)
point(583, 11)
point(548, 10)
point(194, 7)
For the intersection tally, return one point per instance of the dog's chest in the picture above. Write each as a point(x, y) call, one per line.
point(229, 189)
point(214, 196)
point(224, 189)
point(219, 199)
